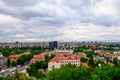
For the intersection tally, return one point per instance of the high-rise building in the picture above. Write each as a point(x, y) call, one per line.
point(53, 44)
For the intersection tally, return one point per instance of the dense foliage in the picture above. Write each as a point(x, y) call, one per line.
point(34, 50)
point(39, 67)
point(68, 72)
point(24, 58)
point(18, 76)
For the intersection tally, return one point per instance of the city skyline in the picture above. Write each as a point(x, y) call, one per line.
point(59, 20)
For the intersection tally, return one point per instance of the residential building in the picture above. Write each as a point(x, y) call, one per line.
point(3, 62)
point(27, 53)
point(110, 63)
point(14, 57)
point(61, 60)
point(100, 52)
point(109, 55)
point(84, 64)
point(40, 57)
point(65, 52)
point(99, 58)
point(117, 54)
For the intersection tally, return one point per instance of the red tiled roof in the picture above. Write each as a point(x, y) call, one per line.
point(26, 53)
point(60, 57)
point(84, 64)
point(107, 52)
point(15, 56)
point(42, 55)
point(111, 64)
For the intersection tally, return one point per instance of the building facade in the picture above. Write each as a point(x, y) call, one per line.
point(60, 60)
point(53, 44)
point(3, 61)
point(65, 52)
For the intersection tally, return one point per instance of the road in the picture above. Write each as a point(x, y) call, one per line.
point(12, 70)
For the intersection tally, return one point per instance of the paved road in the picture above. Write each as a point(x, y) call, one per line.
point(12, 70)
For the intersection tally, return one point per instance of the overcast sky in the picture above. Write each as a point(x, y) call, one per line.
point(62, 20)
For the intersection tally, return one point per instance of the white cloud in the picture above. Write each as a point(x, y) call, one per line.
point(89, 32)
point(106, 8)
point(47, 20)
point(8, 19)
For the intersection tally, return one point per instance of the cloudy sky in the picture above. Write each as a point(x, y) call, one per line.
point(62, 20)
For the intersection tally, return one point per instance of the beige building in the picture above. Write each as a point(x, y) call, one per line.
point(61, 60)
point(14, 57)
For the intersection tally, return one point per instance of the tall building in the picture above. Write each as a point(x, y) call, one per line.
point(53, 44)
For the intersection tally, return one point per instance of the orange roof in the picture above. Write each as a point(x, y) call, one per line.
point(15, 56)
point(26, 53)
point(84, 64)
point(107, 52)
point(60, 57)
point(42, 55)
point(111, 64)
point(46, 53)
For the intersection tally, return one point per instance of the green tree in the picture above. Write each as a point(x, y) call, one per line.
point(19, 76)
point(8, 62)
point(1, 78)
point(32, 70)
point(83, 59)
point(39, 74)
point(115, 61)
point(44, 65)
point(14, 63)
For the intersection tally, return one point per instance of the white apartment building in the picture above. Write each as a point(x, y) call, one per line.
point(117, 54)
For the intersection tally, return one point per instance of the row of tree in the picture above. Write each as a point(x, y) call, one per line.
point(18, 76)
point(24, 58)
point(70, 72)
point(21, 61)
point(34, 50)
point(9, 51)
point(39, 67)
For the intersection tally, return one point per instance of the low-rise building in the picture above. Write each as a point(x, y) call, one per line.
point(61, 60)
point(109, 55)
point(3, 61)
point(84, 64)
point(65, 52)
point(40, 57)
point(14, 57)
point(110, 63)
point(99, 58)
point(27, 53)
point(100, 52)
point(117, 55)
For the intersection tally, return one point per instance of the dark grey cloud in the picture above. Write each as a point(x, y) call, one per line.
point(20, 3)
